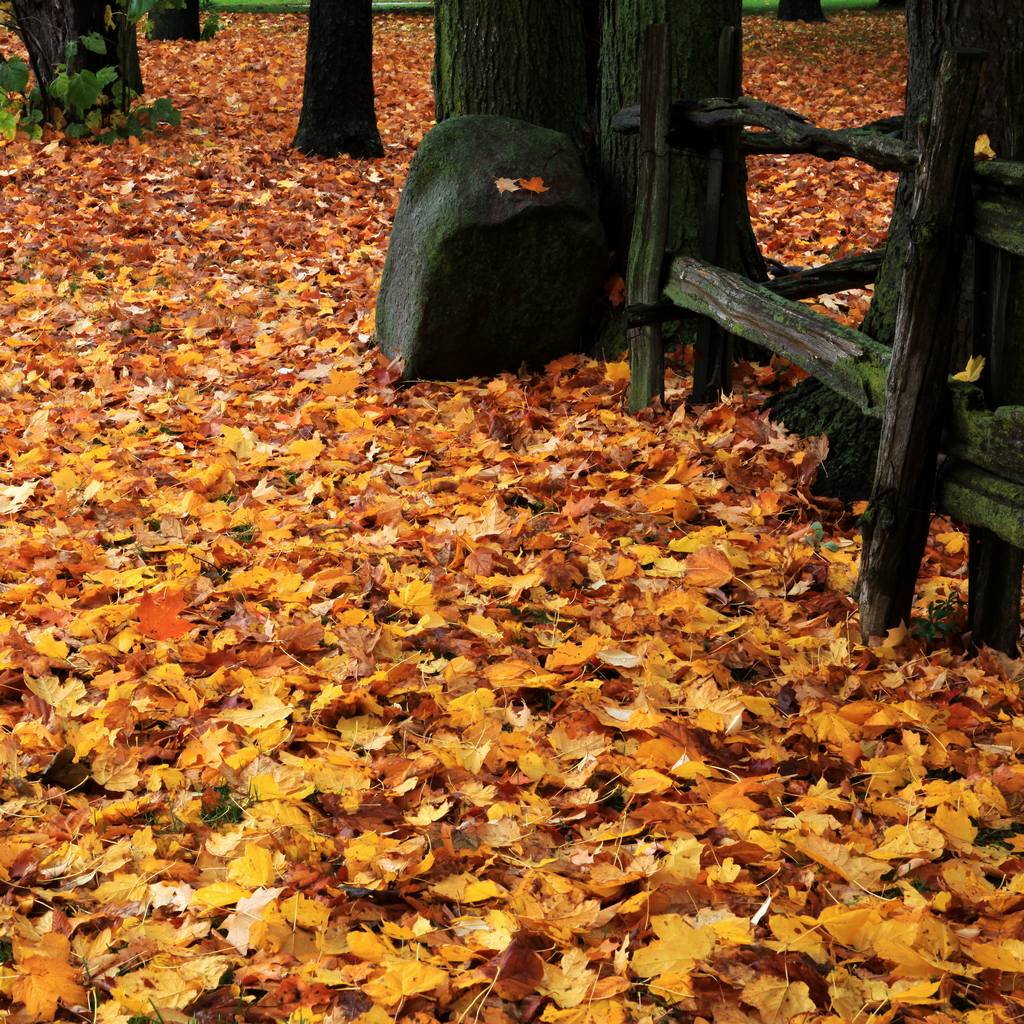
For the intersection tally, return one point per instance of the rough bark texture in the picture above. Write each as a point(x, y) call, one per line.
point(800, 10)
point(932, 26)
point(895, 527)
point(647, 249)
point(122, 41)
point(995, 566)
point(45, 29)
point(179, 23)
point(338, 115)
point(696, 27)
point(525, 59)
point(811, 408)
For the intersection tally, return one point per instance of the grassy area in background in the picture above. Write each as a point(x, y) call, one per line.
point(385, 6)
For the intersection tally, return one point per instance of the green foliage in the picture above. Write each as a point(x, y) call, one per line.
point(18, 107)
point(211, 26)
point(100, 104)
point(220, 807)
point(942, 621)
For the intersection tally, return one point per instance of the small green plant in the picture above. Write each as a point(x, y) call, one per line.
point(19, 107)
point(941, 620)
point(244, 533)
point(6, 951)
point(101, 103)
point(219, 807)
point(211, 26)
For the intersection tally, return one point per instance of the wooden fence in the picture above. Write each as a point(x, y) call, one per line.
point(955, 446)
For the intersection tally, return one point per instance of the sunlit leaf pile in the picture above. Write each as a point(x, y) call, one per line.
point(478, 702)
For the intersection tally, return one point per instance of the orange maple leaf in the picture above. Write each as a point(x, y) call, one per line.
point(158, 616)
point(534, 184)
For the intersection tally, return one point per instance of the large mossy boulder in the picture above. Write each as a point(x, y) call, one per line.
point(481, 278)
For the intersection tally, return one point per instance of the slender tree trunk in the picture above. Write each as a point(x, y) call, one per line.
point(800, 10)
point(932, 26)
point(525, 59)
point(178, 23)
point(338, 115)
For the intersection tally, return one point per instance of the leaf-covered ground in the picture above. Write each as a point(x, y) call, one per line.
point(481, 702)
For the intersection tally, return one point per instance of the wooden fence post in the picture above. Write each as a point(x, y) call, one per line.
point(895, 526)
point(995, 567)
point(650, 223)
point(712, 355)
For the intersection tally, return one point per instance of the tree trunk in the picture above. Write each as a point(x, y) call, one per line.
point(178, 23)
point(525, 59)
point(932, 26)
point(891, 5)
point(800, 10)
point(46, 30)
point(338, 115)
point(695, 27)
point(122, 41)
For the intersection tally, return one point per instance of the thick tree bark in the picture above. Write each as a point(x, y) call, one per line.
point(178, 23)
point(932, 26)
point(122, 41)
point(46, 29)
point(800, 10)
point(338, 115)
point(526, 59)
point(696, 27)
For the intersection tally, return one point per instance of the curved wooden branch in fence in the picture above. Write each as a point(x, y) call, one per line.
point(981, 499)
point(1005, 174)
point(846, 360)
point(849, 272)
point(999, 221)
point(782, 131)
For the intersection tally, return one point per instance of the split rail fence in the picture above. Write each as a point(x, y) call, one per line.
point(957, 447)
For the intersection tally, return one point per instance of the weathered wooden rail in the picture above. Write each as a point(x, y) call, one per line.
point(973, 436)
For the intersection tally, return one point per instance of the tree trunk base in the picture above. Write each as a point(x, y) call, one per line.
point(810, 409)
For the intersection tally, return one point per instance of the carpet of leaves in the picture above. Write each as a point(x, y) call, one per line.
point(326, 701)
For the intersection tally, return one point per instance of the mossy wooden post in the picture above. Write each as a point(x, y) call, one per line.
point(712, 359)
point(895, 526)
point(650, 226)
point(995, 566)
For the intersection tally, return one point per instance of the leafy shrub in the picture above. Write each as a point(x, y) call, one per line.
point(19, 108)
point(100, 103)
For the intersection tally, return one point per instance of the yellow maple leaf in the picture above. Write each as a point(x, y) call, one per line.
point(777, 1000)
point(983, 148)
point(45, 978)
point(416, 596)
point(676, 949)
point(483, 627)
point(46, 643)
point(255, 868)
point(403, 978)
point(972, 371)
point(506, 184)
